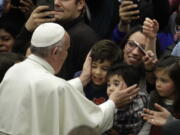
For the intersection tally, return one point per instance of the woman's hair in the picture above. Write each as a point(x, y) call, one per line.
point(130, 73)
point(9, 27)
point(106, 50)
point(131, 32)
point(171, 66)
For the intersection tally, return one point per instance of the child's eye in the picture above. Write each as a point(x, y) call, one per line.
point(93, 66)
point(105, 68)
point(116, 84)
point(164, 80)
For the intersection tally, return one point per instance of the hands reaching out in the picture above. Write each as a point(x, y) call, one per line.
point(157, 118)
point(124, 95)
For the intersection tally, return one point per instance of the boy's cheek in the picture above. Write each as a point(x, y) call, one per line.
point(108, 93)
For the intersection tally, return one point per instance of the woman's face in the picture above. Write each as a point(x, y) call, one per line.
point(133, 55)
point(6, 41)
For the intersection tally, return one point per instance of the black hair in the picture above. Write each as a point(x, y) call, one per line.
point(8, 59)
point(171, 66)
point(106, 50)
point(9, 27)
point(83, 130)
point(130, 73)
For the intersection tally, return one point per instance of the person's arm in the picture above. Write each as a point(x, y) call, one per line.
point(157, 118)
point(22, 41)
point(150, 29)
point(37, 17)
point(127, 13)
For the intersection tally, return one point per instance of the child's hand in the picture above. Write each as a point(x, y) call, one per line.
point(157, 118)
point(150, 28)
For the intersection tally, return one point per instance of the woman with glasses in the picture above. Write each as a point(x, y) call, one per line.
point(139, 48)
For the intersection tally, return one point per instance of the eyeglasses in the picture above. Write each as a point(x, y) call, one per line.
point(133, 44)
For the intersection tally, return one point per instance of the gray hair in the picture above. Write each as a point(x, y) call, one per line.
point(45, 51)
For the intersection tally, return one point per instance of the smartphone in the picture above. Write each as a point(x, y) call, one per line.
point(135, 2)
point(49, 3)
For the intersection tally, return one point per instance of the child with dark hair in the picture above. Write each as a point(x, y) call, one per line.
point(104, 54)
point(8, 59)
point(166, 98)
point(127, 120)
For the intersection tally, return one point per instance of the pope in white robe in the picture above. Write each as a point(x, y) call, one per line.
point(33, 101)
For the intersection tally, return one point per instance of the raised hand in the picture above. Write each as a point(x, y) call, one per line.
point(26, 6)
point(150, 27)
point(39, 16)
point(157, 118)
point(128, 11)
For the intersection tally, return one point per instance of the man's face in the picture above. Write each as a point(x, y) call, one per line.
point(133, 55)
point(68, 9)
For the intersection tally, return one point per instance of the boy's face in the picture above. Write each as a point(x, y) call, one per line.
point(99, 71)
point(114, 83)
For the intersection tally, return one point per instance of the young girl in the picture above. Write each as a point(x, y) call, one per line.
point(127, 120)
point(166, 96)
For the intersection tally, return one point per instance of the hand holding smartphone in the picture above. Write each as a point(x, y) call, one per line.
point(49, 3)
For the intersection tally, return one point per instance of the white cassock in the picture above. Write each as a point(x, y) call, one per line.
point(35, 102)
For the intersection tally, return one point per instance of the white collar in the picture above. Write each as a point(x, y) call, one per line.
point(41, 62)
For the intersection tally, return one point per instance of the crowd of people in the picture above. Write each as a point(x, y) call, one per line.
point(88, 67)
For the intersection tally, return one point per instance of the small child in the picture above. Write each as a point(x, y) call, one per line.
point(167, 95)
point(104, 54)
point(127, 120)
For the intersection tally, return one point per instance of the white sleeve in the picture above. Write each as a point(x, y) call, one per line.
point(108, 109)
point(76, 84)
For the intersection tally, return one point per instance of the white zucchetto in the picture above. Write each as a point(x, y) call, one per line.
point(47, 34)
